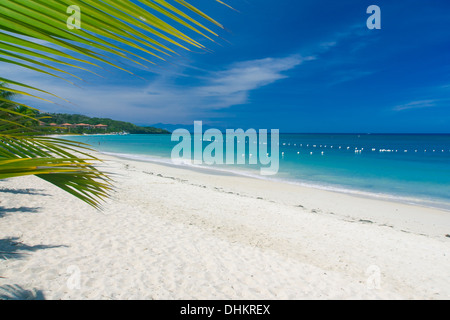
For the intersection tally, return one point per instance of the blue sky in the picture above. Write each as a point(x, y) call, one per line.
point(297, 66)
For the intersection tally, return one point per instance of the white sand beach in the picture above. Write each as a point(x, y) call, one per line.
point(175, 233)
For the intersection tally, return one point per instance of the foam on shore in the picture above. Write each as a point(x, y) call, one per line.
point(431, 203)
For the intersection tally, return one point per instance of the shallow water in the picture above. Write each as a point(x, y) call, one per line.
point(409, 168)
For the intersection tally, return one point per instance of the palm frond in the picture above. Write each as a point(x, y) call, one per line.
point(64, 163)
point(35, 35)
point(110, 29)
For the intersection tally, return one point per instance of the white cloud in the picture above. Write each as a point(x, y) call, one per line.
point(163, 100)
point(416, 105)
point(232, 86)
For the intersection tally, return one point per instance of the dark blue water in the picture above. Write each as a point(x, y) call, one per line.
point(411, 168)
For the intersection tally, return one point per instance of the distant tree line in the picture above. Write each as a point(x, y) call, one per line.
point(113, 125)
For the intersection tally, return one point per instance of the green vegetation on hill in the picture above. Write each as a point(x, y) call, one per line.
point(113, 125)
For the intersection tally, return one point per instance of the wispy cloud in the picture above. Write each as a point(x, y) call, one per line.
point(416, 105)
point(163, 100)
point(232, 86)
point(342, 57)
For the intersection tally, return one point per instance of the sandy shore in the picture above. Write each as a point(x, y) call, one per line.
point(173, 233)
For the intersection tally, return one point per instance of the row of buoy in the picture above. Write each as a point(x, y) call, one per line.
point(373, 150)
point(385, 150)
point(311, 153)
point(359, 151)
point(340, 147)
point(406, 151)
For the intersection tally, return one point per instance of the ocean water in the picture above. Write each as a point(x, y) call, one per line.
point(406, 168)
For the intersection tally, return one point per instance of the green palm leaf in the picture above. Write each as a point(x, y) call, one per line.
point(143, 32)
point(104, 23)
point(66, 164)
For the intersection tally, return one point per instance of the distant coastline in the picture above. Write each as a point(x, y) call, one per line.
point(61, 123)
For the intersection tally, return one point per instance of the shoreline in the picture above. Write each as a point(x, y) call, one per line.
point(357, 191)
point(172, 233)
point(424, 203)
point(434, 218)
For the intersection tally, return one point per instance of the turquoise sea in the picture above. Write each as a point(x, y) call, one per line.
point(406, 168)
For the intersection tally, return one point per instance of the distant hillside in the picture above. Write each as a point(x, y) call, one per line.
point(56, 120)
